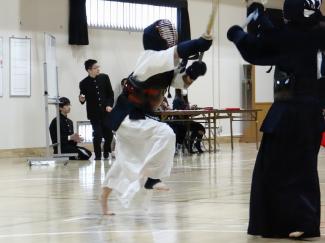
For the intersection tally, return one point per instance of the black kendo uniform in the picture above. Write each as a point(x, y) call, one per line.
point(99, 94)
point(149, 148)
point(285, 193)
point(67, 146)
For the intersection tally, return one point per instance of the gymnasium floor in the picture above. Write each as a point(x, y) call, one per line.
point(208, 202)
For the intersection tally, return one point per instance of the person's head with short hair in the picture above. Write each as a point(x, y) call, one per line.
point(92, 67)
point(64, 105)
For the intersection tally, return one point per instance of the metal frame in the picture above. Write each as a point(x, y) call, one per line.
point(211, 117)
point(239, 115)
point(51, 101)
point(83, 123)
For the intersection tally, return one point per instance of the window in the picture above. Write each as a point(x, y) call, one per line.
point(85, 130)
point(126, 16)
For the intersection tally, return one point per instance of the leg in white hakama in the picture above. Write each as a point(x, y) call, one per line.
point(144, 148)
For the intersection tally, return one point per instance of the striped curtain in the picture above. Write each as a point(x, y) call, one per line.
point(78, 27)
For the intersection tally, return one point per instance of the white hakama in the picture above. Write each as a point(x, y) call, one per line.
point(144, 148)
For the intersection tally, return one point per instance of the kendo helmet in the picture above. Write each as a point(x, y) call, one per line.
point(160, 35)
point(301, 10)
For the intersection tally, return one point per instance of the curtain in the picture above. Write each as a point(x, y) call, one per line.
point(183, 22)
point(78, 28)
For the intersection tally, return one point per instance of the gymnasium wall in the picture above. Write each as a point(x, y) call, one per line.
point(22, 121)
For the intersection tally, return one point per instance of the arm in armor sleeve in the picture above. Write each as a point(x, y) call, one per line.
point(251, 47)
point(189, 48)
point(270, 45)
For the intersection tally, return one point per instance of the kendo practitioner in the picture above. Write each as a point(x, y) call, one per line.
point(145, 147)
point(285, 193)
point(69, 139)
point(96, 91)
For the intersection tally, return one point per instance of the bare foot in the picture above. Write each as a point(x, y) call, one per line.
point(103, 200)
point(296, 234)
point(160, 187)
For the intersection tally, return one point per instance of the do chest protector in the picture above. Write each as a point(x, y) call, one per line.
point(144, 97)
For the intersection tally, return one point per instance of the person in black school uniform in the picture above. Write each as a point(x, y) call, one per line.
point(69, 139)
point(96, 91)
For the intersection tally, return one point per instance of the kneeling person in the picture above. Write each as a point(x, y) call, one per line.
point(69, 139)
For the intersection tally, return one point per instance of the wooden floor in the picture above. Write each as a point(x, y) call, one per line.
point(208, 202)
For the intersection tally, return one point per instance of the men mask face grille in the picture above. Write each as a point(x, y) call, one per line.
point(167, 32)
point(160, 35)
point(310, 7)
point(302, 11)
point(312, 4)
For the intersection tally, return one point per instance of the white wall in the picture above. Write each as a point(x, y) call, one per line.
point(228, 91)
point(263, 85)
point(22, 119)
point(221, 87)
point(274, 4)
